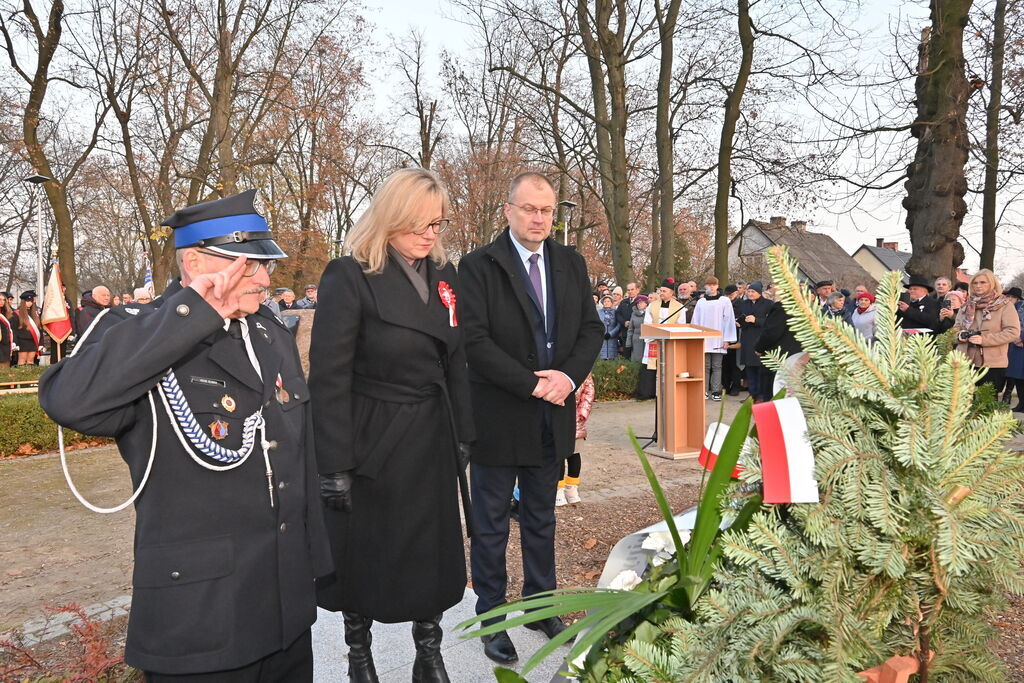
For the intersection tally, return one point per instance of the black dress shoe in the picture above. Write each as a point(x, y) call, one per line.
point(550, 627)
point(499, 648)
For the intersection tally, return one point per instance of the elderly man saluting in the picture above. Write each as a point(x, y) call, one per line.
point(204, 393)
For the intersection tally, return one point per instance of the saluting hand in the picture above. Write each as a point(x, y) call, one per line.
point(220, 289)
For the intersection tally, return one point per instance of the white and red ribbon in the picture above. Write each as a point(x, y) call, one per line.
point(444, 290)
point(787, 460)
point(713, 441)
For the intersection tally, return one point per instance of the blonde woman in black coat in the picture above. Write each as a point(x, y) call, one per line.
point(392, 422)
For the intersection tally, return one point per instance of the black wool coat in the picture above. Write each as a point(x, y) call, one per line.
point(503, 354)
point(921, 314)
point(750, 333)
point(379, 358)
point(222, 578)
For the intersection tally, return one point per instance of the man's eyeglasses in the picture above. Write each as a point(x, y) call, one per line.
point(252, 266)
point(529, 210)
point(437, 226)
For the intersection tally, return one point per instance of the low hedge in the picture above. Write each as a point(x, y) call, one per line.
point(27, 429)
point(615, 379)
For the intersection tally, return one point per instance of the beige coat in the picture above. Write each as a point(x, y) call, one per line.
point(996, 334)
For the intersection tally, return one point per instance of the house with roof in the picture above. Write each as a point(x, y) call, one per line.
point(819, 256)
point(881, 258)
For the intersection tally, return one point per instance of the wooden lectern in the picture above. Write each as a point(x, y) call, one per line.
point(681, 387)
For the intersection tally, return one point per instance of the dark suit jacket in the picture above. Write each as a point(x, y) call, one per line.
point(221, 578)
point(502, 348)
point(923, 313)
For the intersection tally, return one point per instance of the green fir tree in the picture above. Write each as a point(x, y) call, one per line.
point(917, 537)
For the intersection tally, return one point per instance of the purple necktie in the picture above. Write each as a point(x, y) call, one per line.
point(535, 279)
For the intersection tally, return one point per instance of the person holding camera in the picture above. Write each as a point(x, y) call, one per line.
point(985, 326)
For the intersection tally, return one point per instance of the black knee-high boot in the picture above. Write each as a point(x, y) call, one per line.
point(1019, 408)
point(429, 667)
point(360, 658)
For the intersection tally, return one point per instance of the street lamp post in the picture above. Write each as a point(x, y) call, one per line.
point(38, 181)
point(568, 206)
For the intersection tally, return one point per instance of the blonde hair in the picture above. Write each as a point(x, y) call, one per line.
point(392, 211)
point(992, 279)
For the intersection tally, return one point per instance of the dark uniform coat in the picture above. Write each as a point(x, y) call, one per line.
point(388, 378)
point(502, 350)
point(750, 333)
point(221, 578)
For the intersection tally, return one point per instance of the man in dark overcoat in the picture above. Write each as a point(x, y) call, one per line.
point(532, 335)
point(204, 393)
point(916, 309)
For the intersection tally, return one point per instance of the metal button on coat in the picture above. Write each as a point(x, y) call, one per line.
point(284, 527)
point(175, 576)
point(182, 310)
point(282, 484)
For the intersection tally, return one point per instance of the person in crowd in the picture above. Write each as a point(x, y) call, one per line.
point(115, 300)
point(569, 485)
point(948, 307)
point(687, 300)
point(753, 313)
point(985, 326)
point(741, 290)
point(308, 301)
point(7, 345)
point(267, 300)
point(142, 295)
point(602, 289)
point(392, 422)
point(731, 374)
point(823, 288)
point(664, 309)
point(1015, 354)
point(863, 318)
point(634, 342)
point(607, 313)
point(917, 310)
point(777, 334)
point(93, 302)
point(27, 329)
point(835, 307)
point(229, 534)
point(715, 311)
point(858, 290)
point(624, 314)
point(287, 302)
point(963, 289)
point(531, 338)
point(127, 298)
point(942, 287)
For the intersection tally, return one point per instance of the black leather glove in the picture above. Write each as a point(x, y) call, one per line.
point(336, 491)
point(464, 452)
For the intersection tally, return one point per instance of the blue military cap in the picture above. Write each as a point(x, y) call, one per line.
point(230, 225)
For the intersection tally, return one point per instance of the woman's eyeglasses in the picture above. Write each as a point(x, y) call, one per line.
point(437, 226)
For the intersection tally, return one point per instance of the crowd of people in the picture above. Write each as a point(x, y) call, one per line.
point(988, 321)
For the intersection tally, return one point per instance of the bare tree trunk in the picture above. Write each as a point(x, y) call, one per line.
point(732, 115)
point(663, 136)
point(936, 183)
point(988, 207)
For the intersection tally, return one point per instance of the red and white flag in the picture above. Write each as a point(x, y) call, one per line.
point(56, 320)
point(787, 460)
point(713, 441)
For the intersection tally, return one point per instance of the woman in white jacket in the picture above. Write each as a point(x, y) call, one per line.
point(864, 315)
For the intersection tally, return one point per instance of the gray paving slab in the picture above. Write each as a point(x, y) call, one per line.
point(394, 652)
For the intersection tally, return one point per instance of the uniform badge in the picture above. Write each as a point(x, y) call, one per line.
point(228, 403)
point(282, 393)
point(219, 429)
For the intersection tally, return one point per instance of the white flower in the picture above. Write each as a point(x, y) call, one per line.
point(661, 543)
point(625, 581)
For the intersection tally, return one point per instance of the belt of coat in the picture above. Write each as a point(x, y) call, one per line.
point(380, 390)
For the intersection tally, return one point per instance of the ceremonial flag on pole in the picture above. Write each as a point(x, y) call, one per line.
point(787, 460)
point(148, 284)
point(713, 441)
point(56, 320)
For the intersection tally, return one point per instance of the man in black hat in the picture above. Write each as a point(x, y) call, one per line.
point(917, 310)
point(823, 288)
point(204, 392)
